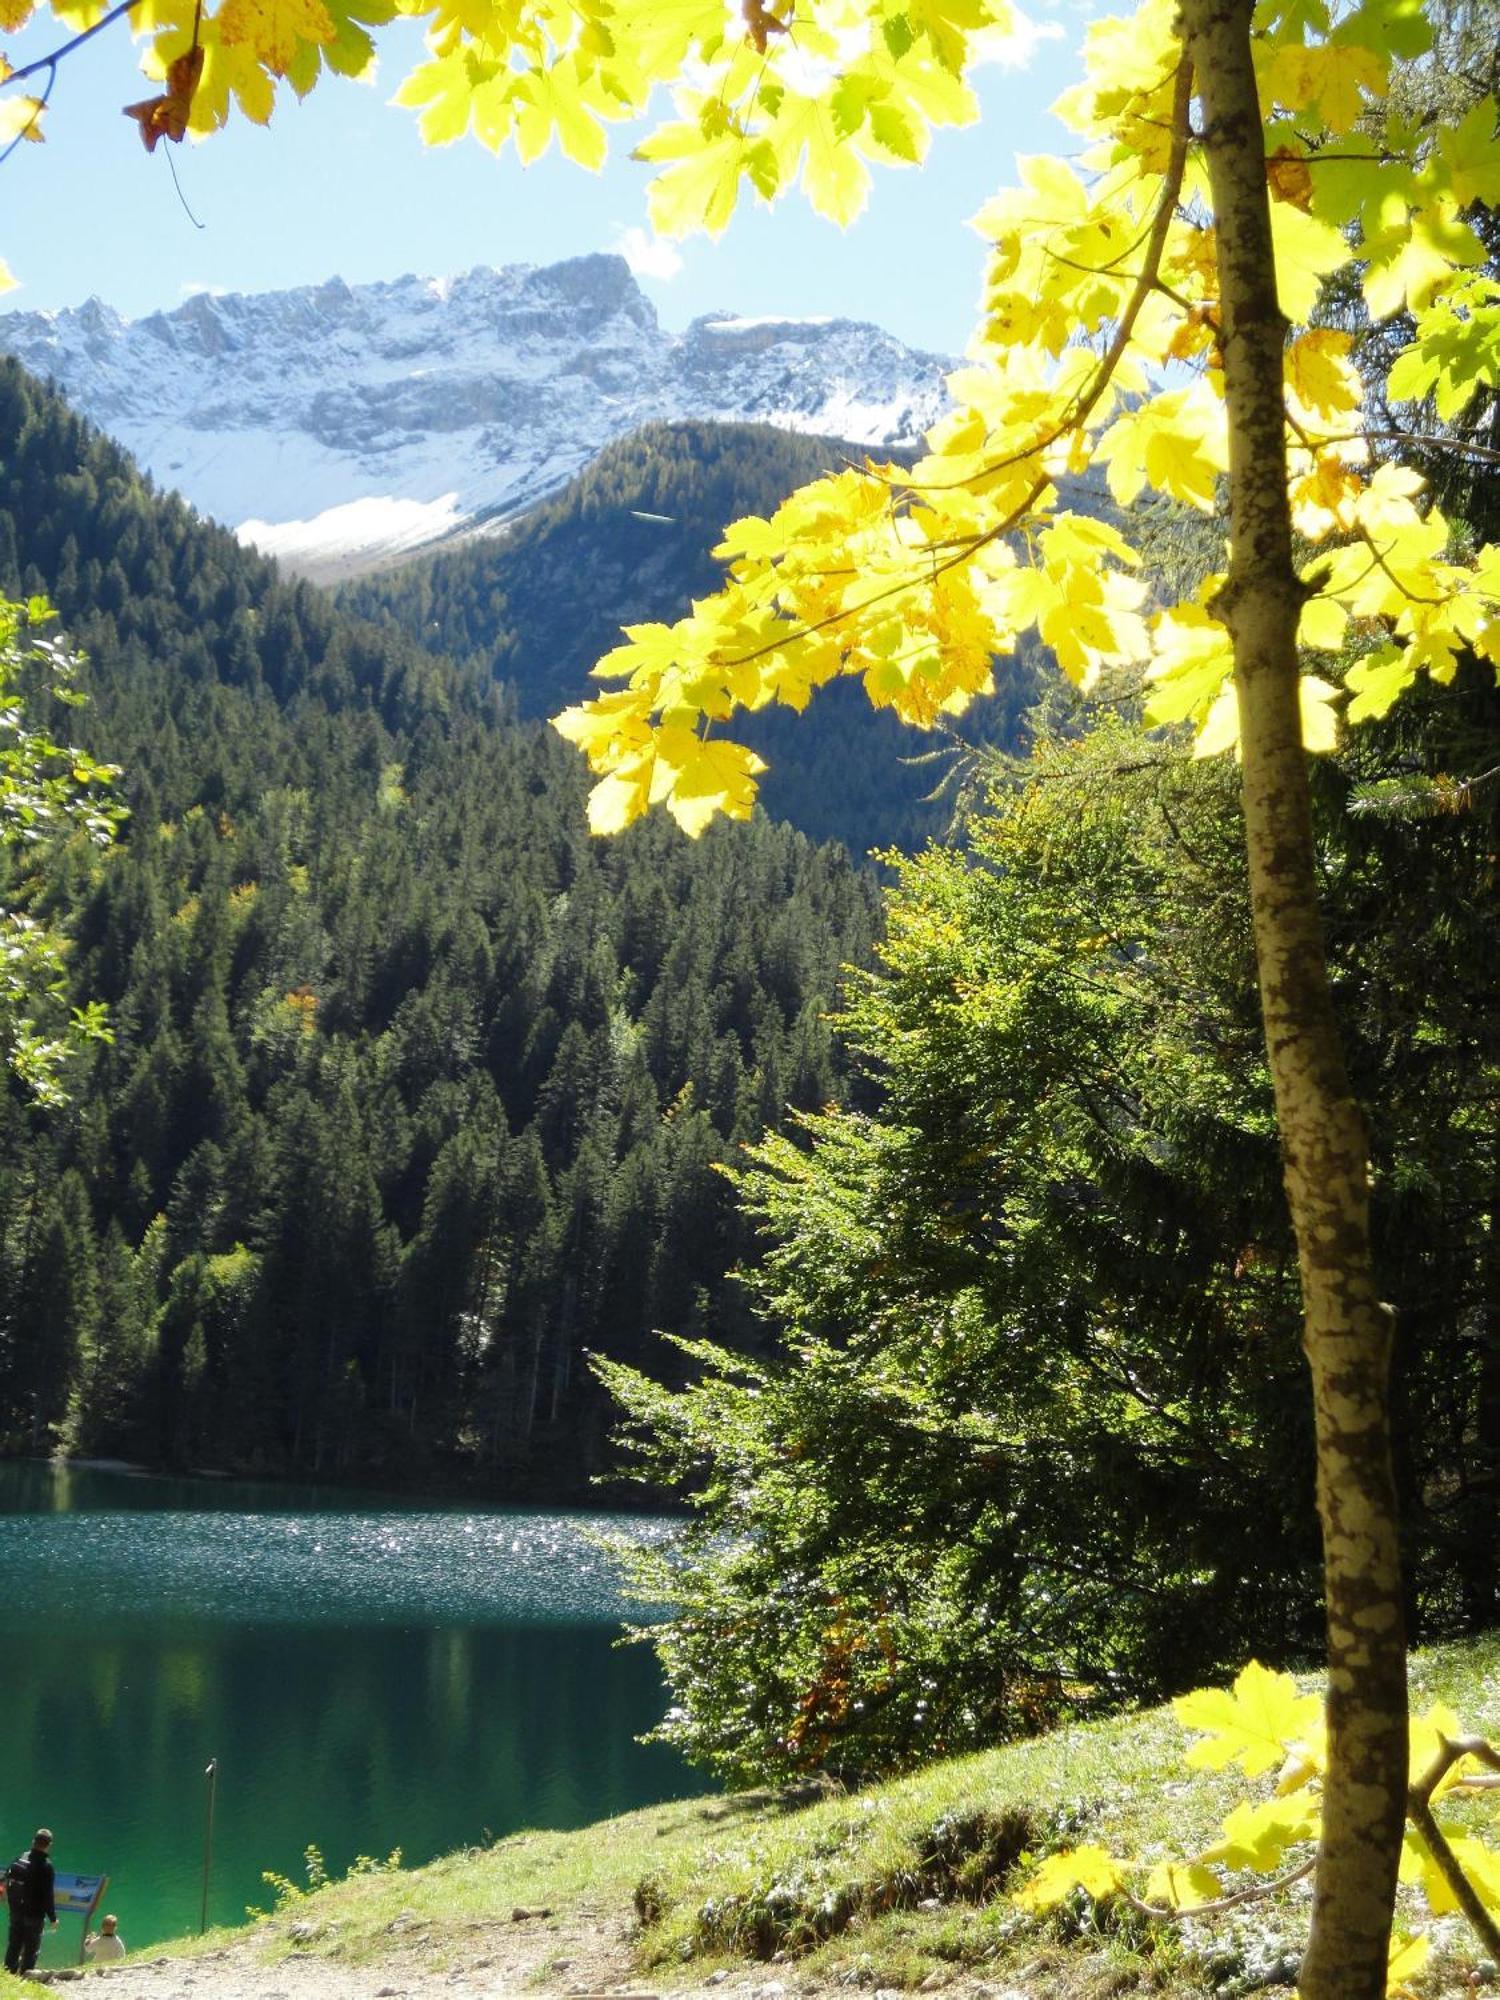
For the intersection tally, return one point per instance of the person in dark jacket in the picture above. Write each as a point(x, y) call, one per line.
point(30, 1887)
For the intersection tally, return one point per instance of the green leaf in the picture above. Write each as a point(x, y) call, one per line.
point(896, 30)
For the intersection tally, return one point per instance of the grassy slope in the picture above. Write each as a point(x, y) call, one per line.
point(744, 1877)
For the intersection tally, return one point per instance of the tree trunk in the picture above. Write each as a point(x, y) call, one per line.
point(1346, 1329)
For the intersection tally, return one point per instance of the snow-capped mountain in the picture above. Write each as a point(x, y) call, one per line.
point(340, 426)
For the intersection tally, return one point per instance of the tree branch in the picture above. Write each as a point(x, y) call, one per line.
point(48, 64)
point(1419, 1806)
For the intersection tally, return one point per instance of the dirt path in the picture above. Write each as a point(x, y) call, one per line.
point(588, 1956)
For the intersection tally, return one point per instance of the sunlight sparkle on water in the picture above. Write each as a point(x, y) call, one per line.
point(398, 1567)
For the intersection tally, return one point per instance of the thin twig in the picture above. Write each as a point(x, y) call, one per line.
point(182, 198)
point(1424, 440)
point(50, 62)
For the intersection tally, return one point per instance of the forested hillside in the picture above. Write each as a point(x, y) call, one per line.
point(416, 1093)
point(631, 541)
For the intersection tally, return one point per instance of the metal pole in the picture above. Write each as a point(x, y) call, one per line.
point(211, 1773)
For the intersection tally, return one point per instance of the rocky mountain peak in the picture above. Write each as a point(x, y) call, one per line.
point(342, 426)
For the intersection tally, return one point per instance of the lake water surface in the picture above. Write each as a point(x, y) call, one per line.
point(368, 1676)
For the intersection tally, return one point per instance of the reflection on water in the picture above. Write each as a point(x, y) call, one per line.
point(367, 1678)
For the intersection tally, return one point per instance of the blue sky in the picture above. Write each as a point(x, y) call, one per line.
point(341, 184)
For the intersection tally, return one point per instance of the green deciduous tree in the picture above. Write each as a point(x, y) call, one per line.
point(1039, 1438)
point(50, 792)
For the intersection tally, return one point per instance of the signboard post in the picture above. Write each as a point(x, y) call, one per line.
point(79, 1896)
point(211, 1773)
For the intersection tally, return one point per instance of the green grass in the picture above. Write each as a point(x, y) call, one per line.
point(839, 1885)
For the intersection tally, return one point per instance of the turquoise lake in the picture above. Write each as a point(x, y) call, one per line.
point(368, 1675)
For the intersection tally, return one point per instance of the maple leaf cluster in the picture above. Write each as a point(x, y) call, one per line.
point(1265, 1723)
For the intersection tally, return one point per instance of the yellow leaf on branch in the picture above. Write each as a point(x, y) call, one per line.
point(1252, 1725)
point(21, 118)
point(1092, 1869)
point(1256, 1835)
point(271, 31)
point(1177, 1885)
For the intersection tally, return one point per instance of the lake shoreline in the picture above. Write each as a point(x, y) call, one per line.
point(600, 1497)
point(365, 1673)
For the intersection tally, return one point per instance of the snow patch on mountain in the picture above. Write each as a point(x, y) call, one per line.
point(381, 522)
point(341, 427)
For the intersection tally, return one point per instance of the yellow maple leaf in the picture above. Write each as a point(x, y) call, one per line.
point(1324, 497)
point(1257, 1834)
point(619, 798)
point(1093, 1869)
point(455, 90)
point(1176, 442)
point(1408, 1956)
point(1378, 681)
point(1192, 657)
point(21, 118)
point(1179, 1884)
point(1320, 718)
point(1328, 77)
point(1254, 1723)
point(609, 729)
point(554, 100)
point(700, 189)
point(272, 30)
point(1323, 625)
point(1411, 252)
point(1308, 251)
point(1320, 374)
point(700, 779)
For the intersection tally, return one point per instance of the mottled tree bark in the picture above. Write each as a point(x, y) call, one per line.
point(1346, 1330)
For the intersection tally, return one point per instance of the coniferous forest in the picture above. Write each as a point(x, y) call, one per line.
point(416, 1095)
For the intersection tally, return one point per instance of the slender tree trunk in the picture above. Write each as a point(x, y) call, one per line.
point(1482, 1581)
point(1346, 1328)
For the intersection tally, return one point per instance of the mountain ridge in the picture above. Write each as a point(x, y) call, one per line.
point(342, 427)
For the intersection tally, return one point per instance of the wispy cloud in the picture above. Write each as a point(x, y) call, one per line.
point(192, 288)
point(647, 255)
point(1016, 48)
